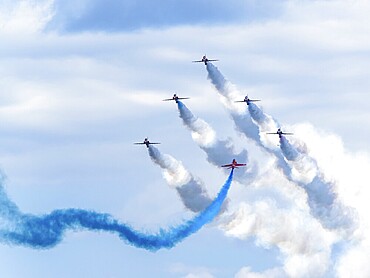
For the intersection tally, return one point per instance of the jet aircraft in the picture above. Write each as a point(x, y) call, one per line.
point(147, 143)
point(233, 164)
point(175, 98)
point(204, 60)
point(280, 133)
point(248, 100)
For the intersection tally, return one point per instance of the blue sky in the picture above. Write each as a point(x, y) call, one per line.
point(82, 80)
point(115, 16)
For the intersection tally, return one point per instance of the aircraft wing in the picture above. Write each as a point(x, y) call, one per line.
point(240, 164)
point(150, 143)
point(240, 101)
point(167, 99)
point(211, 60)
point(254, 100)
point(287, 133)
point(227, 165)
point(198, 61)
point(183, 98)
point(272, 133)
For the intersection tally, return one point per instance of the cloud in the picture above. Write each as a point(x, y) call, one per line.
point(129, 15)
point(25, 16)
point(305, 245)
point(246, 272)
point(190, 271)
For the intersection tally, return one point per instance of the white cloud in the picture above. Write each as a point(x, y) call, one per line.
point(354, 262)
point(199, 275)
point(22, 16)
point(246, 272)
point(190, 271)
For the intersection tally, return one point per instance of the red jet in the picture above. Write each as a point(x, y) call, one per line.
point(233, 165)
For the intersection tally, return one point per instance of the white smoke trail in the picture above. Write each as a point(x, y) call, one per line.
point(253, 129)
point(294, 161)
point(282, 221)
point(218, 152)
point(322, 196)
point(242, 119)
point(191, 190)
point(337, 221)
point(229, 94)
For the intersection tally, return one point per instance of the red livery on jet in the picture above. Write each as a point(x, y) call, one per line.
point(233, 165)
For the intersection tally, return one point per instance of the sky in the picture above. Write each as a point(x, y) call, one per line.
point(81, 81)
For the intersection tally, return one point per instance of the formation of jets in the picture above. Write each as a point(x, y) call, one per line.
point(280, 133)
point(247, 100)
point(175, 98)
point(204, 60)
point(234, 164)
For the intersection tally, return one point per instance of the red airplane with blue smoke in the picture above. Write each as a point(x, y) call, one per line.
point(234, 164)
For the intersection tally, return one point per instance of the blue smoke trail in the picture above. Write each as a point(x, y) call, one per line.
point(46, 231)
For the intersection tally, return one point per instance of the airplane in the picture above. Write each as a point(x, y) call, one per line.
point(233, 165)
point(147, 143)
point(204, 60)
point(280, 133)
point(175, 98)
point(247, 100)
